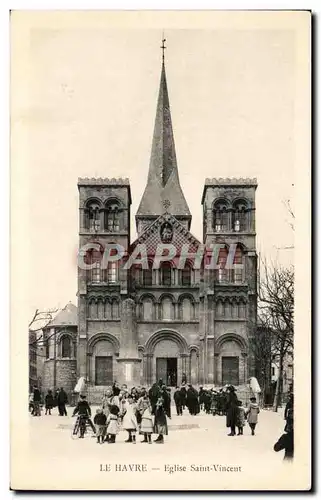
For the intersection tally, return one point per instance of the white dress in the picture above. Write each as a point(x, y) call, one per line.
point(147, 421)
point(129, 419)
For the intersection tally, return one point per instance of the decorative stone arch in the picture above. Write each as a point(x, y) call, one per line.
point(169, 312)
point(106, 354)
point(72, 344)
point(142, 301)
point(91, 200)
point(147, 296)
point(221, 200)
point(166, 334)
point(241, 200)
point(186, 295)
point(194, 353)
point(193, 307)
point(231, 336)
point(166, 295)
point(114, 199)
point(150, 358)
point(232, 354)
point(97, 337)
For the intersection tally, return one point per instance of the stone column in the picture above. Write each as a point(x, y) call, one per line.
point(217, 372)
point(210, 360)
point(129, 360)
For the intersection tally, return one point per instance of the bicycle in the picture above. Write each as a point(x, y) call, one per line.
point(83, 426)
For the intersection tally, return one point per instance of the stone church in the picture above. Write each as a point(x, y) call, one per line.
point(140, 324)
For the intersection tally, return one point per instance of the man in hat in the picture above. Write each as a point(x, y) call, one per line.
point(84, 412)
point(231, 407)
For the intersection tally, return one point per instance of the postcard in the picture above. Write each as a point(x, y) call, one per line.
point(160, 216)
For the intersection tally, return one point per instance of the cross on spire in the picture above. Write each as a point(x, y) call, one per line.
point(163, 47)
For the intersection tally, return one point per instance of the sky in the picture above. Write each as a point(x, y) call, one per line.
point(87, 109)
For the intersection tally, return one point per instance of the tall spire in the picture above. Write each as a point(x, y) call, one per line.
point(163, 180)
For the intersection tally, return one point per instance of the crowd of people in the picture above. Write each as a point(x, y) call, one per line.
point(138, 411)
point(59, 399)
point(145, 411)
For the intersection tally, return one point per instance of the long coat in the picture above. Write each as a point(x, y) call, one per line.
point(160, 423)
point(231, 407)
point(252, 413)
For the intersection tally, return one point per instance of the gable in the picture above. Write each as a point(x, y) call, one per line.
point(154, 235)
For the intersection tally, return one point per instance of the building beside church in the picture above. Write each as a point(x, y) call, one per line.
point(137, 325)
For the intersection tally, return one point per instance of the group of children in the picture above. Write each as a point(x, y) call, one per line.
point(250, 414)
point(127, 414)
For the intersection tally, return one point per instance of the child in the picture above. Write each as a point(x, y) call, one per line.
point(49, 402)
point(252, 414)
point(160, 424)
point(100, 420)
point(112, 424)
point(129, 419)
point(147, 421)
point(240, 418)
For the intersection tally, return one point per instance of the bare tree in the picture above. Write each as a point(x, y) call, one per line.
point(40, 320)
point(276, 310)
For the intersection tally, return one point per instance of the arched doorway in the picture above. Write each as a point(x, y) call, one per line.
point(231, 367)
point(166, 357)
point(102, 351)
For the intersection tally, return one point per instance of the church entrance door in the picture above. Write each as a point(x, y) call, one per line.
point(166, 369)
point(103, 370)
point(230, 370)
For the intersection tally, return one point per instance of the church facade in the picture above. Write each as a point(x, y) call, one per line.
point(140, 323)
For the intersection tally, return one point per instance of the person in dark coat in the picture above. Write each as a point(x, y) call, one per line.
point(183, 395)
point(84, 412)
point(286, 441)
point(288, 407)
point(178, 401)
point(49, 402)
point(192, 400)
point(160, 423)
point(62, 401)
point(116, 389)
point(36, 401)
point(201, 398)
point(154, 393)
point(231, 409)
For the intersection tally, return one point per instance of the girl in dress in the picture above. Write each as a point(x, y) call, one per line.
point(129, 419)
point(112, 424)
point(147, 421)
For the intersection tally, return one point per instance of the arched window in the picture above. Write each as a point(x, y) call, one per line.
point(65, 346)
point(94, 259)
point(92, 309)
point(115, 309)
point(167, 308)
point(234, 309)
point(220, 218)
point(220, 308)
point(222, 274)
point(112, 273)
point(101, 309)
point(227, 309)
point(166, 274)
point(112, 217)
point(148, 309)
point(147, 277)
point(242, 309)
point(240, 222)
point(187, 309)
point(92, 216)
point(238, 266)
point(186, 276)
